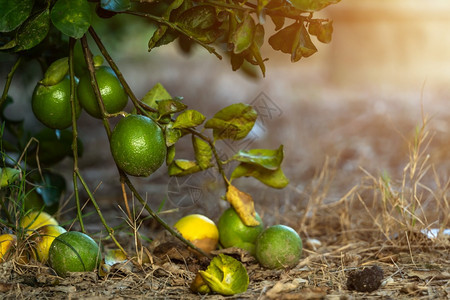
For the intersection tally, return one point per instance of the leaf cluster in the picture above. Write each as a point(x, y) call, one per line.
point(235, 27)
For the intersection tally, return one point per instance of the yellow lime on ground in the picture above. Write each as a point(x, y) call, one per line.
point(278, 247)
point(112, 92)
point(42, 240)
point(7, 242)
point(199, 230)
point(74, 251)
point(138, 145)
point(51, 104)
point(234, 233)
point(35, 219)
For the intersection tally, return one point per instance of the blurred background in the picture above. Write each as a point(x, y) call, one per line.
point(355, 103)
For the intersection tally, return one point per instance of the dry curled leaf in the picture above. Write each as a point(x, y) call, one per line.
point(243, 204)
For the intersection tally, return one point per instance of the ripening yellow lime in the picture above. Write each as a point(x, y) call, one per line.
point(199, 230)
point(7, 241)
point(42, 240)
point(36, 219)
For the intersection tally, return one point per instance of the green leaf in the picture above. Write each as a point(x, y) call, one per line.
point(323, 31)
point(158, 92)
point(56, 72)
point(51, 188)
point(225, 275)
point(302, 46)
point(203, 152)
point(293, 40)
point(198, 18)
point(236, 61)
point(182, 167)
point(72, 17)
point(160, 37)
point(278, 21)
point(115, 5)
point(283, 39)
point(242, 37)
point(172, 134)
point(8, 176)
point(312, 5)
point(200, 22)
point(13, 13)
point(188, 119)
point(170, 106)
point(33, 31)
point(266, 158)
point(233, 122)
point(170, 154)
point(275, 179)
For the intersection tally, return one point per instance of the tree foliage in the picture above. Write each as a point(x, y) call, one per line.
point(48, 30)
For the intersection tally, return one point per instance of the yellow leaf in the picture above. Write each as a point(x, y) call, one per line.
point(243, 204)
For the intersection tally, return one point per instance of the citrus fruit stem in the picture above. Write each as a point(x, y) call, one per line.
point(102, 219)
point(72, 42)
point(123, 176)
point(98, 96)
point(9, 80)
point(158, 219)
point(116, 70)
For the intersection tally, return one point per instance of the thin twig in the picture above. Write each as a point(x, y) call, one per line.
point(9, 80)
point(74, 133)
point(175, 27)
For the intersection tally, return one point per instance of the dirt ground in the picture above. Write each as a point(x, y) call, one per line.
point(348, 217)
point(368, 163)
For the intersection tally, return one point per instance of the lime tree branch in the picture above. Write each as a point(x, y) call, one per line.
point(123, 177)
point(174, 26)
point(9, 80)
point(74, 134)
point(102, 219)
point(98, 96)
point(158, 218)
point(113, 66)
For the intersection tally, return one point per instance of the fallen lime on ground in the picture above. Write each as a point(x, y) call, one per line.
point(73, 251)
point(234, 233)
point(36, 219)
point(200, 231)
point(278, 247)
point(43, 239)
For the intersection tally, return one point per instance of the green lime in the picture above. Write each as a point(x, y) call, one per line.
point(74, 251)
point(138, 145)
point(51, 104)
point(234, 233)
point(278, 247)
point(111, 90)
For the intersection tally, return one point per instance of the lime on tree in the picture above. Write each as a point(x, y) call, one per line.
point(51, 104)
point(73, 251)
point(234, 233)
point(42, 240)
point(278, 247)
point(199, 230)
point(112, 92)
point(138, 145)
